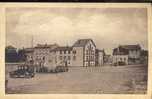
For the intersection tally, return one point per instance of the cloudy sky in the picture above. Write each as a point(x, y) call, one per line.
point(108, 27)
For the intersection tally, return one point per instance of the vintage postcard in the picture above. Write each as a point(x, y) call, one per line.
point(76, 49)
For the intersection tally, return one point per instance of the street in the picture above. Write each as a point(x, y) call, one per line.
point(84, 80)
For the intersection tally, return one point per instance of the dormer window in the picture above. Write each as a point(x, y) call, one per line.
point(74, 52)
point(69, 52)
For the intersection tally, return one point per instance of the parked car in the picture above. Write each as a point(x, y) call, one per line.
point(59, 69)
point(119, 63)
point(22, 72)
point(43, 70)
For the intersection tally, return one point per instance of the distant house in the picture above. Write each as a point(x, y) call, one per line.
point(99, 57)
point(127, 54)
point(41, 51)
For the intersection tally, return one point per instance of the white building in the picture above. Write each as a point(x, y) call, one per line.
point(59, 56)
point(128, 54)
point(82, 53)
point(41, 51)
point(118, 59)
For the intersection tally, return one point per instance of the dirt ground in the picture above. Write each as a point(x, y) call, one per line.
point(85, 80)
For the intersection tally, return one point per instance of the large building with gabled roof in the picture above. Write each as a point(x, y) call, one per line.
point(128, 54)
point(82, 53)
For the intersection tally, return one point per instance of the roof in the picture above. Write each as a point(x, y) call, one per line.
point(62, 48)
point(120, 51)
point(10, 47)
point(99, 50)
point(29, 50)
point(123, 49)
point(46, 46)
point(82, 42)
point(130, 47)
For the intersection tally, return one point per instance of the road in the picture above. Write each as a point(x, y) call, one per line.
point(82, 80)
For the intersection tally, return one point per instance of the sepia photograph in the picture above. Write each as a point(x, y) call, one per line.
point(76, 50)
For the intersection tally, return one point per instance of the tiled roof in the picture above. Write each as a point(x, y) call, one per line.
point(120, 51)
point(123, 49)
point(46, 45)
point(82, 42)
point(62, 48)
point(130, 47)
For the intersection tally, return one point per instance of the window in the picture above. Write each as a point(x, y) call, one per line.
point(60, 52)
point(64, 57)
point(60, 57)
point(87, 58)
point(92, 58)
point(69, 52)
point(124, 59)
point(65, 52)
point(120, 59)
point(92, 52)
point(69, 57)
point(74, 57)
point(74, 52)
point(87, 52)
point(43, 58)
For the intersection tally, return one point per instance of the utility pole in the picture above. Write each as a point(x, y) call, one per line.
point(32, 41)
point(32, 48)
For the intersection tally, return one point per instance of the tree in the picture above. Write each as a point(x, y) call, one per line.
point(11, 54)
point(21, 55)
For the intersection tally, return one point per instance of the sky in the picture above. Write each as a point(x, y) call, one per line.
point(107, 27)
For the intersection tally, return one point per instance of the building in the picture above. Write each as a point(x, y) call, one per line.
point(120, 57)
point(41, 51)
point(85, 52)
point(60, 56)
point(127, 54)
point(107, 59)
point(82, 53)
point(99, 57)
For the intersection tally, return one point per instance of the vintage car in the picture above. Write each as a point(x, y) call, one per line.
point(59, 69)
point(120, 63)
point(22, 72)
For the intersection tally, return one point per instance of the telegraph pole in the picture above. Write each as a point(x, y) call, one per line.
point(32, 41)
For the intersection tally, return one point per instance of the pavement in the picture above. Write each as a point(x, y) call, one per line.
point(84, 80)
